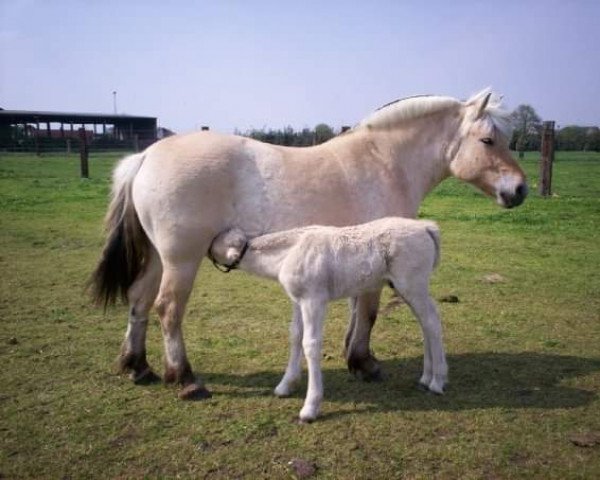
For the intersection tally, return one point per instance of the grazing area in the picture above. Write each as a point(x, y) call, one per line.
point(521, 316)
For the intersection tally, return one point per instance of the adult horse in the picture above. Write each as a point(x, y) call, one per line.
point(171, 200)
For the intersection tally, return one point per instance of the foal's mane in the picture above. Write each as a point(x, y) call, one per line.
point(393, 113)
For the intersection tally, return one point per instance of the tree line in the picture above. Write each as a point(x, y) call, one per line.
point(526, 135)
point(292, 138)
point(528, 127)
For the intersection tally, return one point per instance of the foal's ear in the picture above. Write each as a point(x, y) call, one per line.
point(483, 103)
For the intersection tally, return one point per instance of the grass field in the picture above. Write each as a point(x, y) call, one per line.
point(523, 350)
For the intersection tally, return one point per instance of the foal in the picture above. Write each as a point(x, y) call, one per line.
point(318, 264)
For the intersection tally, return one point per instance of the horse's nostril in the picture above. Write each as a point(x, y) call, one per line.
point(521, 190)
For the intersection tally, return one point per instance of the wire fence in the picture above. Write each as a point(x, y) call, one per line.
point(72, 142)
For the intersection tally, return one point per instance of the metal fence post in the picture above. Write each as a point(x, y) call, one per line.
point(83, 153)
point(547, 158)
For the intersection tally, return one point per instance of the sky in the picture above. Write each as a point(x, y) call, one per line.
point(242, 64)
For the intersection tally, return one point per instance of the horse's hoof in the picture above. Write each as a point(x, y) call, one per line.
point(374, 376)
point(370, 373)
point(366, 368)
point(146, 377)
point(194, 391)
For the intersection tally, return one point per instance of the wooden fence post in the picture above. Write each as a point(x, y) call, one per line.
point(38, 150)
point(546, 160)
point(83, 153)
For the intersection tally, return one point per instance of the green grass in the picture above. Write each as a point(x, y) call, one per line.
point(524, 353)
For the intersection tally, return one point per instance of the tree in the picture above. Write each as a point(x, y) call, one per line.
point(574, 137)
point(594, 139)
point(323, 132)
point(527, 127)
point(288, 136)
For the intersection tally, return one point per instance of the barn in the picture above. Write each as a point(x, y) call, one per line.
point(47, 131)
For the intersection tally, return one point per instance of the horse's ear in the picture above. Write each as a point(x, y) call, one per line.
point(483, 104)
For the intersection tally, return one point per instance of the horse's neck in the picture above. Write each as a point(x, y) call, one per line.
point(414, 151)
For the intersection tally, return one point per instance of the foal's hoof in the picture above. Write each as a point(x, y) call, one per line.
point(303, 421)
point(431, 388)
point(146, 377)
point(194, 391)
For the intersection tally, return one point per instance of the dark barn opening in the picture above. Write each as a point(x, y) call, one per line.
point(33, 131)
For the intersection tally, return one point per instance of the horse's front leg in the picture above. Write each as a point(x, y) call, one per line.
point(313, 314)
point(141, 296)
point(363, 313)
point(175, 287)
point(293, 370)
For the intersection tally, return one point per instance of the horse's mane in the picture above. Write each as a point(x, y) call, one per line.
point(407, 108)
point(419, 106)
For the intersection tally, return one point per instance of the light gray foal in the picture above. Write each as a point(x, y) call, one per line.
point(318, 264)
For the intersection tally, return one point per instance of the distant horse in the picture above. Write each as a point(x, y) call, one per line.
point(171, 200)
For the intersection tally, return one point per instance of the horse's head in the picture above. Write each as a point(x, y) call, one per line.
point(482, 157)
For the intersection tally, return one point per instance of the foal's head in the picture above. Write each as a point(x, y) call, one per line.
point(227, 246)
point(483, 157)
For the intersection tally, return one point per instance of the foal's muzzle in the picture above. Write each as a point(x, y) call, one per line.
point(515, 198)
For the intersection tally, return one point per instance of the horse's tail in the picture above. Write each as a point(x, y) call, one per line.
point(127, 245)
point(434, 232)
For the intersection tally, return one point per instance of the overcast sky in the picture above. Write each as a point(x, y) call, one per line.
point(251, 64)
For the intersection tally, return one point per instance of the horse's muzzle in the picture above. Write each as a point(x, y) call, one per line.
point(516, 198)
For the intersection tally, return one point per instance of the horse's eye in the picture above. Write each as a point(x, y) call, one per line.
point(487, 141)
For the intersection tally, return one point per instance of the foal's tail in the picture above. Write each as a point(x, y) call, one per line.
point(434, 232)
point(127, 245)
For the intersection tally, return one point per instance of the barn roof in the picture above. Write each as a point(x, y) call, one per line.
point(17, 116)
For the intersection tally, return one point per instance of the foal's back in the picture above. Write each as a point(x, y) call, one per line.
point(346, 261)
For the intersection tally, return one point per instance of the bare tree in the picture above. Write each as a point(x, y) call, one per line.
point(527, 124)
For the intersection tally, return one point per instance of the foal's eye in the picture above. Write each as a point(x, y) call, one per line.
point(487, 141)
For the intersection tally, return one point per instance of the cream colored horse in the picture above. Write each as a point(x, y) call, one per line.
point(316, 265)
point(171, 200)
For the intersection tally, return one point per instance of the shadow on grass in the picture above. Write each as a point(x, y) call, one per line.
point(478, 380)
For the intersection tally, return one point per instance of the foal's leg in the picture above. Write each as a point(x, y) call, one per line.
point(175, 287)
point(141, 296)
point(363, 313)
point(313, 314)
point(294, 368)
point(435, 369)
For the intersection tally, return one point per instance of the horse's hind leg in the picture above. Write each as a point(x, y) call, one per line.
point(141, 296)
point(175, 287)
point(415, 292)
point(363, 313)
